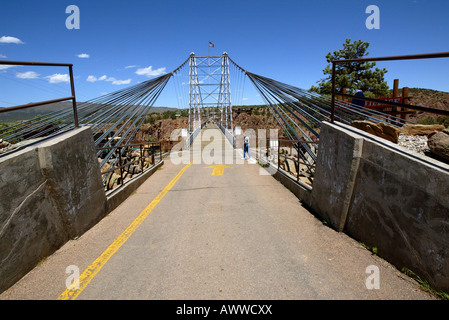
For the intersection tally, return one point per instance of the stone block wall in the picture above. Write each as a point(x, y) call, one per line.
point(50, 193)
point(385, 197)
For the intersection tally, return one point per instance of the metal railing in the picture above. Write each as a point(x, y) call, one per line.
point(146, 150)
point(192, 137)
point(280, 153)
point(393, 104)
point(36, 104)
point(228, 134)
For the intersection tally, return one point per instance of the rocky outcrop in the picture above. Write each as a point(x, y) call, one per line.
point(3, 144)
point(381, 129)
point(438, 143)
point(420, 129)
point(132, 166)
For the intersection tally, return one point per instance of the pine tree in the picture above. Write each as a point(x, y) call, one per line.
point(353, 76)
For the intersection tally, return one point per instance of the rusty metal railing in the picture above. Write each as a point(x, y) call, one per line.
point(36, 104)
point(149, 148)
point(277, 152)
point(394, 104)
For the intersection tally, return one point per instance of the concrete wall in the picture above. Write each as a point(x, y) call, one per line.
point(50, 192)
point(385, 197)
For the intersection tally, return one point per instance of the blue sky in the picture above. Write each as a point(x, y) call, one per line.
point(286, 40)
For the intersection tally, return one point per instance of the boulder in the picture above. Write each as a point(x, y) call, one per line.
point(381, 129)
point(133, 169)
point(420, 129)
point(3, 144)
point(135, 154)
point(438, 143)
point(291, 167)
point(113, 181)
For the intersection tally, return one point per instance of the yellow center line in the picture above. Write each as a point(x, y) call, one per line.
point(95, 267)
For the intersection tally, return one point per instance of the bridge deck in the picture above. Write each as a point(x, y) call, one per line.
point(239, 235)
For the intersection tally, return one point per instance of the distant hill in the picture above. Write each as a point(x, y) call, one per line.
point(422, 97)
point(427, 98)
point(30, 113)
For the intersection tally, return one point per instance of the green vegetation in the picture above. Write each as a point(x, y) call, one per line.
point(425, 285)
point(444, 120)
point(372, 249)
point(170, 114)
point(353, 76)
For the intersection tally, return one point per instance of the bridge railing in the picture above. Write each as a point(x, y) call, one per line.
point(36, 104)
point(144, 154)
point(393, 104)
point(228, 134)
point(287, 156)
point(192, 137)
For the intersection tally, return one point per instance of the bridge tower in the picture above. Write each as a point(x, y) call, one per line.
point(209, 91)
point(194, 95)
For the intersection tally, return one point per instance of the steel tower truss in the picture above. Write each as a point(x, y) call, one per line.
point(209, 90)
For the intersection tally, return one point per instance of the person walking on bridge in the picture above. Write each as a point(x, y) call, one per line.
point(246, 147)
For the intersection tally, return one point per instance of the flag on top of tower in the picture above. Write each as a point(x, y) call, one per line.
point(211, 44)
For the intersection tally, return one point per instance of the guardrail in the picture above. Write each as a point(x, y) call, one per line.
point(228, 134)
point(394, 104)
point(147, 150)
point(36, 104)
point(288, 156)
point(192, 137)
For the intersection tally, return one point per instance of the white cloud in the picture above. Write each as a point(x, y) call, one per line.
point(120, 82)
point(129, 67)
point(2, 56)
point(4, 67)
point(57, 78)
point(8, 39)
point(149, 72)
point(83, 55)
point(91, 79)
point(27, 75)
point(108, 79)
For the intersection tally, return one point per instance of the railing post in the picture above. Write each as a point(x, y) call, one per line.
point(72, 87)
point(142, 162)
point(297, 146)
point(279, 158)
point(267, 152)
point(120, 164)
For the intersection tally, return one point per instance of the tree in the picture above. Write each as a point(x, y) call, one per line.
point(353, 76)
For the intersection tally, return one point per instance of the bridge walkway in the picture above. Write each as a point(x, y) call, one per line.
point(235, 235)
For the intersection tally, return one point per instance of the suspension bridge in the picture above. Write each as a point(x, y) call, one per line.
point(209, 224)
point(115, 118)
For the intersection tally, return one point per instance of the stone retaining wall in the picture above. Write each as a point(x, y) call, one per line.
point(386, 197)
point(50, 193)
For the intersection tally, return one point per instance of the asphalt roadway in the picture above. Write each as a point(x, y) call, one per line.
point(212, 233)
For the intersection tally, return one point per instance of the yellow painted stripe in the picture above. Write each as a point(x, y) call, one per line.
point(95, 267)
point(218, 169)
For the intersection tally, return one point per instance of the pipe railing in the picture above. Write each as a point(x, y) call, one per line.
point(36, 104)
point(149, 147)
point(393, 104)
point(228, 134)
point(273, 154)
